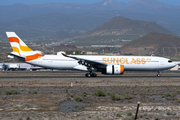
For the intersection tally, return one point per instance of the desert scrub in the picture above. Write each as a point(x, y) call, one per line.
point(129, 113)
point(148, 90)
point(108, 93)
point(84, 94)
point(170, 113)
point(167, 94)
point(12, 92)
point(99, 93)
point(27, 118)
point(77, 99)
point(76, 106)
point(178, 91)
point(128, 118)
point(89, 116)
point(127, 96)
point(34, 92)
point(118, 115)
point(115, 96)
point(156, 118)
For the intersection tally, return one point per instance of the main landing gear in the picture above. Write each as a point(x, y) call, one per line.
point(91, 75)
point(159, 74)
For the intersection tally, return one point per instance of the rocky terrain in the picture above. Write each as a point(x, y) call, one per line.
point(67, 95)
point(156, 43)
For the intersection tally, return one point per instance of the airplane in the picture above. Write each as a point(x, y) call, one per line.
point(110, 65)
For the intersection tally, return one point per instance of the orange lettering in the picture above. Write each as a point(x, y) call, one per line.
point(123, 60)
point(117, 61)
point(109, 61)
point(114, 60)
point(143, 61)
point(104, 60)
point(138, 61)
point(133, 61)
point(127, 61)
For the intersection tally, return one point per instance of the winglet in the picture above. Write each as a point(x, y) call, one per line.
point(64, 55)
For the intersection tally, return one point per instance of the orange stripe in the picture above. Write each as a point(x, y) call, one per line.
point(14, 39)
point(23, 48)
point(122, 69)
point(33, 57)
point(15, 49)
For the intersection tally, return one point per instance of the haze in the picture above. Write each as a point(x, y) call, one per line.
point(10, 2)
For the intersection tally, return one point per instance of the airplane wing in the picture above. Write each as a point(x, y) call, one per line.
point(87, 62)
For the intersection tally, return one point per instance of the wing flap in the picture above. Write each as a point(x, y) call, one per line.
point(87, 61)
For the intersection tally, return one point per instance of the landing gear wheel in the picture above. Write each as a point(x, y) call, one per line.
point(88, 75)
point(158, 75)
point(94, 75)
point(91, 75)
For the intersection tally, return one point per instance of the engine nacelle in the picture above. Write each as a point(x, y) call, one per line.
point(115, 69)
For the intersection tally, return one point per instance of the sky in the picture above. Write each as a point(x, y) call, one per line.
point(10, 2)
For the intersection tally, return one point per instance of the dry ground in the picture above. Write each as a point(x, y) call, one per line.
point(54, 100)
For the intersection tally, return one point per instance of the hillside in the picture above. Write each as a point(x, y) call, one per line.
point(49, 19)
point(160, 44)
point(124, 26)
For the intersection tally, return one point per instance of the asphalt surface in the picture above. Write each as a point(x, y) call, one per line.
point(79, 74)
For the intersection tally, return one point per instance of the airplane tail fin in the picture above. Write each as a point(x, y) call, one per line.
point(21, 49)
point(18, 46)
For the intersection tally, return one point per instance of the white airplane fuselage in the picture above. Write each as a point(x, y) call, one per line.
point(130, 63)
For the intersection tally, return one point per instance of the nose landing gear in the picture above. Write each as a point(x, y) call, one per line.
point(159, 74)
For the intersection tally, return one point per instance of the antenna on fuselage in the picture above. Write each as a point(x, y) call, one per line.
point(152, 53)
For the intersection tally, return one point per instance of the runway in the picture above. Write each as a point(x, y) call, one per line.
point(78, 74)
point(100, 77)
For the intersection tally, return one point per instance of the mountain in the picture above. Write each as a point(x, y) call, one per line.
point(124, 26)
point(160, 44)
point(153, 7)
point(72, 18)
point(107, 5)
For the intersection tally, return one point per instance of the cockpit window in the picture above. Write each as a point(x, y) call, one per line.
point(169, 61)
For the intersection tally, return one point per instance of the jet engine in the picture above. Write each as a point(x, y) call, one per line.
point(114, 70)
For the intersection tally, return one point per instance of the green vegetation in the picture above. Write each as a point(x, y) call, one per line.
point(77, 99)
point(99, 93)
point(115, 96)
point(128, 118)
point(108, 93)
point(32, 92)
point(76, 106)
point(148, 90)
point(127, 96)
point(156, 118)
point(20, 118)
point(167, 94)
point(118, 115)
point(27, 118)
point(170, 113)
point(178, 91)
point(84, 94)
point(129, 113)
point(89, 116)
point(12, 92)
